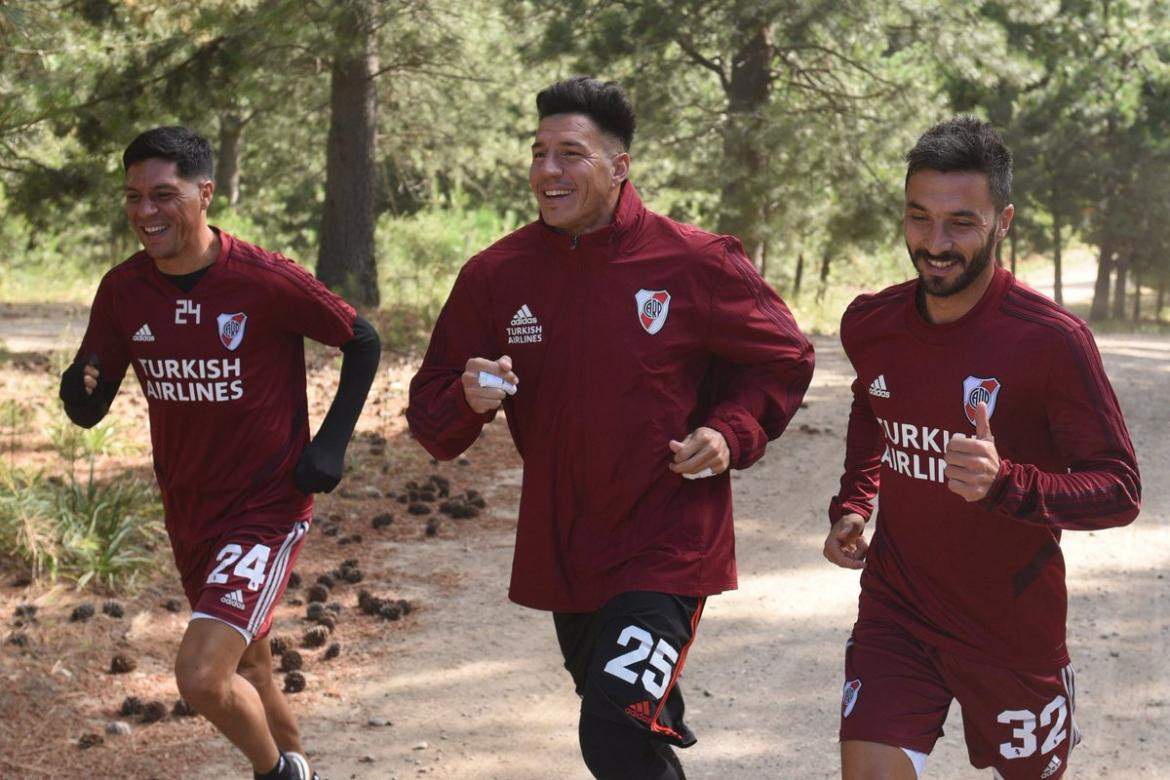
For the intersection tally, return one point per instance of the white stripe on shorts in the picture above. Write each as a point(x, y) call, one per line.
point(275, 576)
point(1069, 676)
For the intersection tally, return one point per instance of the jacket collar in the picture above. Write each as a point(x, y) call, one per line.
point(627, 216)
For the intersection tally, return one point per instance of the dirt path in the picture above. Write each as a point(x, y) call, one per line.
point(478, 681)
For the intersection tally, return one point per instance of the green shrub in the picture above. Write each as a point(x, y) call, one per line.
point(104, 532)
point(420, 255)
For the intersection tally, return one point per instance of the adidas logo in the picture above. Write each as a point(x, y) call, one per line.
point(523, 316)
point(144, 334)
point(878, 387)
point(234, 599)
point(525, 328)
point(639, 710)
point(1052, 768)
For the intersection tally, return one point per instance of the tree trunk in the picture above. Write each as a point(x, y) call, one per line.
point(748, 91)
point(826, 260)
point(1099, 311)
point(1057, 293)
point(1137, 296)
point(762, 261)
point(799, 275)
point(1161, 294)
point(1119, 287)
point(1012, 247)
point(227, 173)
point(346, 259)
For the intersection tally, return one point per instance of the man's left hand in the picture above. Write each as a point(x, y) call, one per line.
point(972, 464)
point(704, 448)
point(318, 471)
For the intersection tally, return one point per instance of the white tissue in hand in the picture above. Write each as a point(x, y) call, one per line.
point(707, 472)
point(488, 379)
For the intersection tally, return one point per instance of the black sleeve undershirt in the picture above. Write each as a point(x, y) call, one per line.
point(359, 366)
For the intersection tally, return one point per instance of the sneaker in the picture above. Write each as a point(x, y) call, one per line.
point(300, 766)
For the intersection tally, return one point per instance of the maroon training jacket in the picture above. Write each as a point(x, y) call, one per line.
point(623, 339)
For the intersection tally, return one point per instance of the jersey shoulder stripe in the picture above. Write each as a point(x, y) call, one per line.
point(894, 295)
point(1027, 304)
point(876, 312)
point(261, 260)
point(135, 267)
point(1030, 306)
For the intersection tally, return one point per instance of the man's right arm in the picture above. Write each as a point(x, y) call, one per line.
point(863, 451)
point(447, 407)
point(89, 384)
point(849, 510)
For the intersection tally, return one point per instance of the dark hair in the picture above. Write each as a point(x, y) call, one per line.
point(605, 103)
point(965, 143)
point(189, 151)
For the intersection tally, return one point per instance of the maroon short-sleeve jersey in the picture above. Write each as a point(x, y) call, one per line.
point(223, 371)
point(985, 579)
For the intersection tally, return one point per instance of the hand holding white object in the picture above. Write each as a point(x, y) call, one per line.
point(485, 395)
point(703, 453)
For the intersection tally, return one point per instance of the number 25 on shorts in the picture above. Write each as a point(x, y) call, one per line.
point(662, 658)
point(249, 566)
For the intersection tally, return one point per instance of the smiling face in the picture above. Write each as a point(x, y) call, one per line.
point(576, 173)
point(169, 214)
point(952, 227)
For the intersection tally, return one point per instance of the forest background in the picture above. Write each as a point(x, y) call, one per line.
point(383, 143)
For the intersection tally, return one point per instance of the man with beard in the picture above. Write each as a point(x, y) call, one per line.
point(962, 590)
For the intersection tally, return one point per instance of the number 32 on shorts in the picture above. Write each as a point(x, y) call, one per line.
point(662, 657)
point(1023, 742)
point(249, 565)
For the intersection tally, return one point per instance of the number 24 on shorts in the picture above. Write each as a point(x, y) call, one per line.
point(250, 565)
point(662, 658)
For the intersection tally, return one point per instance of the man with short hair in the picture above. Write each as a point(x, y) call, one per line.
point(962, 592)
point(637, 360)
point(214, 329)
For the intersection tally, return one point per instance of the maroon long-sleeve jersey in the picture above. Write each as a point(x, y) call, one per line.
point(623, 339)
point(223, 371)
point(984, 579)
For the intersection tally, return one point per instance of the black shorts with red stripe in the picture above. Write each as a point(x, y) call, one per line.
point(625, 659)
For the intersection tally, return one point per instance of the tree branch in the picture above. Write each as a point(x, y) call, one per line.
point(714, 65)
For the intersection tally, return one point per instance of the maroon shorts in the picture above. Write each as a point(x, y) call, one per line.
point(898, 690)
point(239, 577)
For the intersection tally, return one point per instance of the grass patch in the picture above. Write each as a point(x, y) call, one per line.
point(420, 255)
point(65, 283)
point(104, 533)
point(818, 307)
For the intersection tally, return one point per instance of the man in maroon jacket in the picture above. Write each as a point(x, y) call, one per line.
point(637, 360)
point(962, 593)
point(214, 330)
